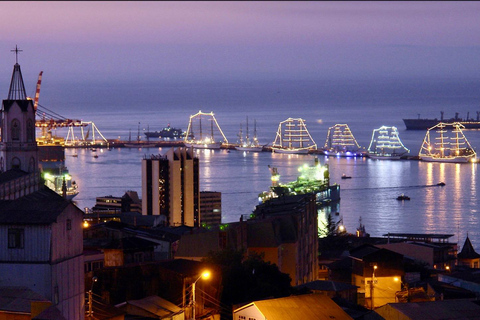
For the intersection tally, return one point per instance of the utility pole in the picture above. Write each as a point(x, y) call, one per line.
point(90, 299)
point(371, 286)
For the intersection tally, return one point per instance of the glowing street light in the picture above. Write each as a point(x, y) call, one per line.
point(371, 284)
point(205, 275)
point(90, 298)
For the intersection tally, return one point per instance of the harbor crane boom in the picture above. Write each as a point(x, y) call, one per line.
point(37, 92)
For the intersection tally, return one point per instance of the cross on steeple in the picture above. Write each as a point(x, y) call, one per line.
point(16, 53)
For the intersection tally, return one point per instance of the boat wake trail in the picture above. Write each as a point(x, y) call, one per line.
point(400, 187)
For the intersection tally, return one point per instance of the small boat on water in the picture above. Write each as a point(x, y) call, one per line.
point(386, 145)
point(293, 137)
point(95, 156)
point(441, 184)
point(403, 197)
point(247, 144)
point(445, 142)
point(340, 142)
point(204, 141)
point(344, 176)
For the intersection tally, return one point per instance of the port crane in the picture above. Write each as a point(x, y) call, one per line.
point(48, 120)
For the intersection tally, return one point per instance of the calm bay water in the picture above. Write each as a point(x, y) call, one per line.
point(363, 105)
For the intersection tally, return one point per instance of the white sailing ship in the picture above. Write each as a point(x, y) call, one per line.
point(293, 137)
point(386, 144)
point(445, 142)
point(248, 144)
point(204, 141)
point(341, 142)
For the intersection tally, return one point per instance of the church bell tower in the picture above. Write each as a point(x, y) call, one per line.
point(18, 146)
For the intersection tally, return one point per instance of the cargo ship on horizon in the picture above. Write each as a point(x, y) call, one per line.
point(424, 124)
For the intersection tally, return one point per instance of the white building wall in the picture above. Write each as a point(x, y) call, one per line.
point(36, 244)
point(20, 149)
point(68, 243)
point(188, 189)
point(36, 277)
point(247, 313)
point(144, 188)
point(175, 181)
point(71, 292)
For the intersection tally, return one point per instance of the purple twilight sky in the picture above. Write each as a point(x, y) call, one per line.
point(124, 41)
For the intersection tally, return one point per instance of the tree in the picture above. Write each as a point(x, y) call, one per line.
point(248, 279)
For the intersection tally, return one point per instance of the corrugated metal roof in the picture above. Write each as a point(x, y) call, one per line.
point(433, 310)
point(156, 306)
point(12, 174)
point(303, 307)
point(18, 299)
point(327, 286)
point(40, 207)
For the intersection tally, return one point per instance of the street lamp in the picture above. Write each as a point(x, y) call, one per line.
point(205, 275)
point(90, 298)
point(371, 285)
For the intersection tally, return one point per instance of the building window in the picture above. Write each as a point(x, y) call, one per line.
point(30, 131)
point(69, 224)
point(16, 163)
point(15, 130)
point(16, 238)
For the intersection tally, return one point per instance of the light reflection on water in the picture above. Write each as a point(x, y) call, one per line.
point(370, 194)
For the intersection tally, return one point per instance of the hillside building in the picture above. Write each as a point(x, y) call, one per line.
point(170, 187)
point(210, 208)
point(41, 237)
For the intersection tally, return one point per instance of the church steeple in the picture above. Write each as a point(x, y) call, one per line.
point(18, 146)
point(17, 88)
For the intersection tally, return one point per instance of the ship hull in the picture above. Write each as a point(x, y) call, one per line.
point(252, 149)
point(291, 151)
point(424, 124)
point(138, 145)
point(447, 159)
point(215, 145)
point(343, 154)
point(383, 157)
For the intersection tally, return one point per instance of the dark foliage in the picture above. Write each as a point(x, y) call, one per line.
point(248, 279)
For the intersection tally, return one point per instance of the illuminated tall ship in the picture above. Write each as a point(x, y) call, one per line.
point(205, 140)
point(293, 137)
point(341, 142)
point(248, 144)
point(386, 144)
point(445, 142)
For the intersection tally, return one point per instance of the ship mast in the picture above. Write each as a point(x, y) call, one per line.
point(240, 135)
point(246, 136)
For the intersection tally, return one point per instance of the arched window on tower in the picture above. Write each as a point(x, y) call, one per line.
point(30, 131)
point(15, 130)
point(16, 163)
